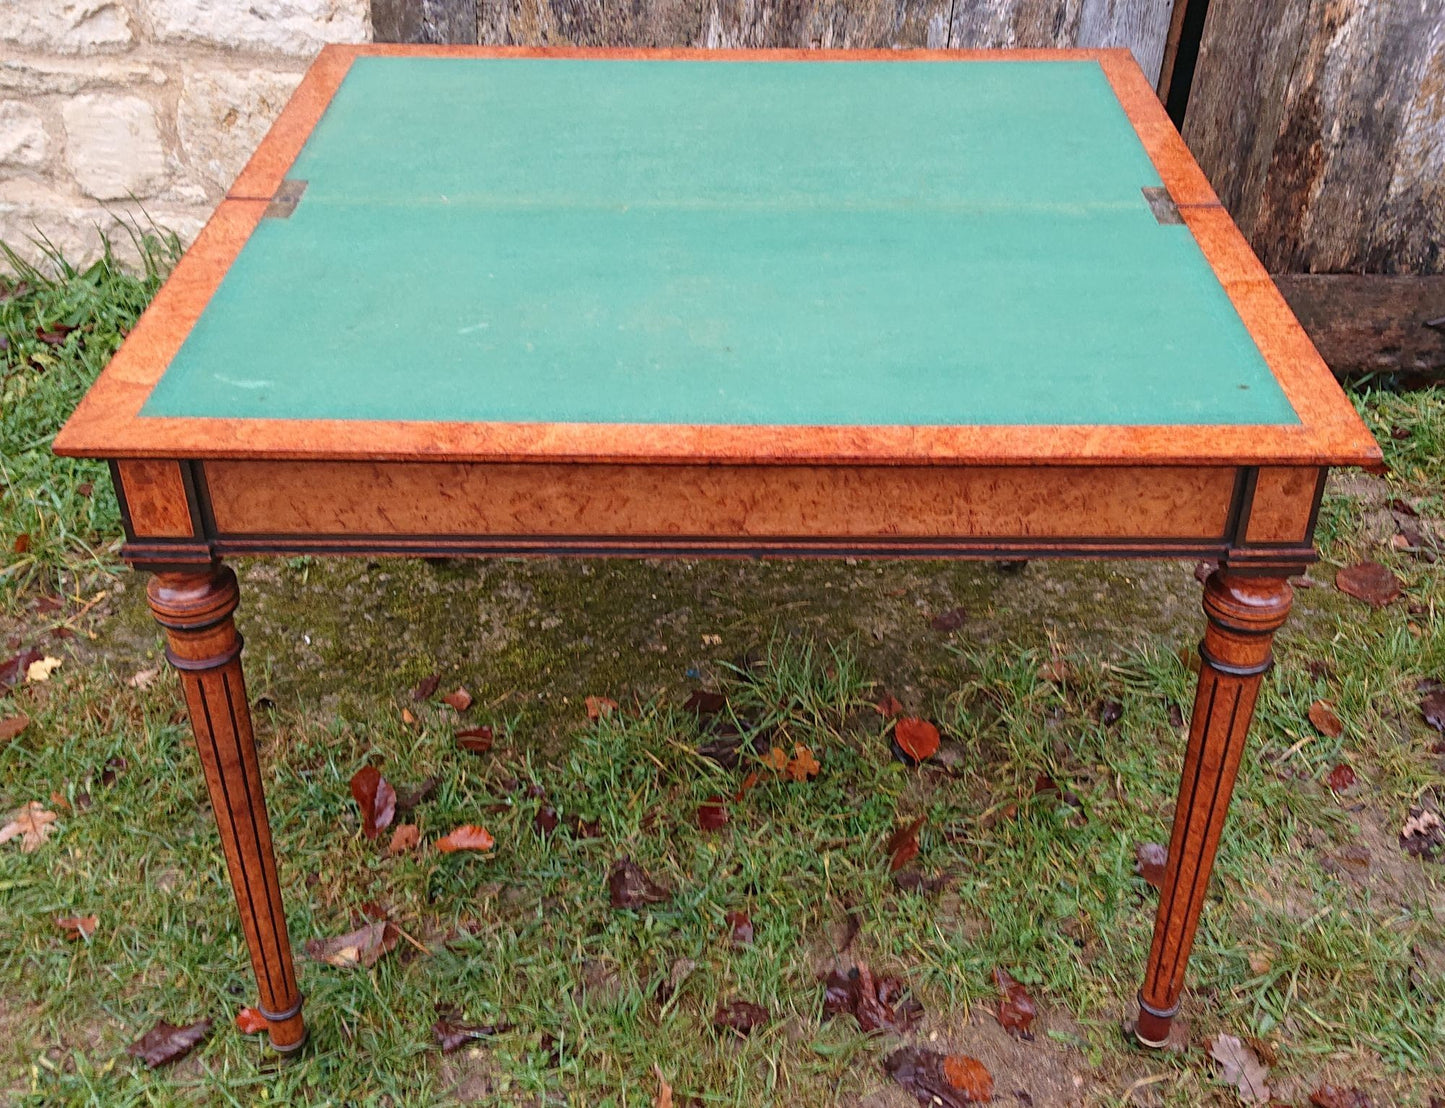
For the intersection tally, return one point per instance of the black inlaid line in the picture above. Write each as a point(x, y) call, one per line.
point(256, 831)
point(1194, 889)
point(1168, 915)
point(231, 819)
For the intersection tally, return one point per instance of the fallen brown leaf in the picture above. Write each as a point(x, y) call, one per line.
point(889, 706)
point(599, 707)
point(663, 1099)
point(461, 700)
point(32, 823)
point(1370, 582)
point(143, 679)
point(712, 814)
point(1422, 835)
point(1016, 1009)
point(1110, 712)
point(165, 1042)
point(776, 759)
point(917, 738)
point(77, 927)
point(22, 543)
point(740, 928)
point(13, 669)
point(11, 727)
point(249, 1021)
point(1056, 671)
point(469, 836)
point(427, 686)
point(1322, 715)
point(1341, 778)
point(629, 887)
point(902, 845)
point(704, 703)
point(452, 1032)
point(950, 620)
point(404, 838)
point(376, 799)
point(1150, 859)
point(41, 669)
point(362, 947)
point(477, 740)
point(1432, 708)
point(546, 820)
point(939, 1080)
point(878, 1004)
point(802, 765)
point(1240, 1066)
point(1331, 1096)
point(740, 1016)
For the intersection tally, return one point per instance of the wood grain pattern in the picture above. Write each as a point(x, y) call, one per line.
point(733, 502)
point(1322, 124)
point(155, 497)
point(1283, 505)
point(196, 611)
point(1244, 613)
point(424, 20)
point(1141, 26)
point(1372, 323)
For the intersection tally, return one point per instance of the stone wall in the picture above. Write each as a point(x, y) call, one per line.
point(142, 110)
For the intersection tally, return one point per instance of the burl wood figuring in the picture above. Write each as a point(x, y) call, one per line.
point(195, 489)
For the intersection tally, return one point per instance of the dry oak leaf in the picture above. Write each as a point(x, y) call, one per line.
point(428, 686)
point(165, 1042)
point(902, 845)
point(477, 740)
point(629, 887)
point(917, 738)
point(877, 1003)
point(461, 700)
point(249, 1021)
point(776, 759)
point(32, 823)
point(1422, 835)
point(1016, 1009)
point(600, 707)
point(1150, 860)
point(740, 1016)
point(12, 726)
point(41, 669)
point(469, 836)
point(1341, 778)
point(376, 799)
point(1322, 715)
point(1370, 582)
point(1332, 1096)
point(1240, 1066)
point(404, 838)
point(939, 1080)
point(362, 947)
point(77, 927)
point(802, 765)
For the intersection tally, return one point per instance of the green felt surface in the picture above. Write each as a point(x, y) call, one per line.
point(702, 242)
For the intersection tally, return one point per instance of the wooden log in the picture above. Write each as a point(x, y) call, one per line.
point(1321, 124)
point(433, 21)
point(1373, 324)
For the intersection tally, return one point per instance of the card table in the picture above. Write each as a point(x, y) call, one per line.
point(510, 301)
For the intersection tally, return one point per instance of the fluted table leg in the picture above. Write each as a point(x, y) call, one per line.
point(1244, 613)
point(196, 611)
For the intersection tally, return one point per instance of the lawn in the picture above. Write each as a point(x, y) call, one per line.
point(1059, 690)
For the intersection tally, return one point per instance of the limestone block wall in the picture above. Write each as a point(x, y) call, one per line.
point(142, 109)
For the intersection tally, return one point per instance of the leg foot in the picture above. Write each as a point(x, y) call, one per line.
point(1244, 613)
point(196, 611)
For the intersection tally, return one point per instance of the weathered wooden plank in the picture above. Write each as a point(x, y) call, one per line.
point(1140, 25)
point(590, 22)
point(434, 21)
point(1320, 124)
point(988, 24)
point(1372, 324)
point(857, 24)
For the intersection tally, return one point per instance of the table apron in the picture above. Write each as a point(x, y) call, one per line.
point(184, 510)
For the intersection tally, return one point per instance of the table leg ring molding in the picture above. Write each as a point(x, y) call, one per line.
point(1152, 1028)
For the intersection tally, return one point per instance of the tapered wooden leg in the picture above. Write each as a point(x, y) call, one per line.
point(1244, 613)
point(196, 611)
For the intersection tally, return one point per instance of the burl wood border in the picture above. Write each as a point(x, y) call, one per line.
point(108, 423)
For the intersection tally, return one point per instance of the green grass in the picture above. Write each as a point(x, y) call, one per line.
point(1324, 970)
